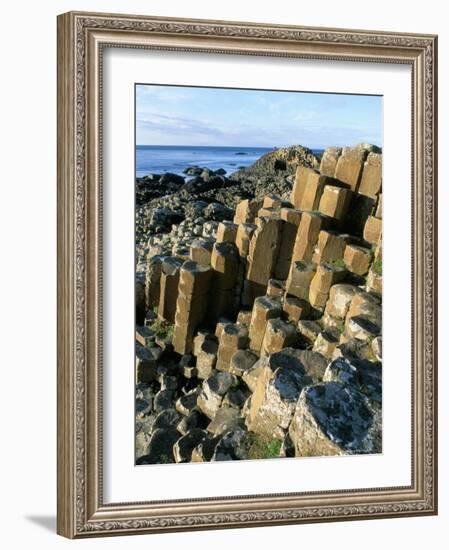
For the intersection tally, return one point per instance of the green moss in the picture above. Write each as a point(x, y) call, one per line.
point(162, 329)
point(377, 267)
point(263, 447)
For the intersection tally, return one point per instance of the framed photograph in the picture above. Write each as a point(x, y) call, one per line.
point(246, 274)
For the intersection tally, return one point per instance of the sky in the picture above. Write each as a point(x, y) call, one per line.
point(180, 115)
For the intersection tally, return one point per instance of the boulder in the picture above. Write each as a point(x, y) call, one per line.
point(340, 297)
point(332, 418)
point(233, 445)
point(227, 419)
point(242, 361)
point(160, 447)
point(213, 390)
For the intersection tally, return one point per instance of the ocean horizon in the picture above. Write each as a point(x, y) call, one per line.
point(158, 159)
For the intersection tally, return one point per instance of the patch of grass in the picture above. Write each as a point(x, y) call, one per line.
point(340, 327)
point(377, 267)
point(263, 447)
point(162, 329)
point(338, 262)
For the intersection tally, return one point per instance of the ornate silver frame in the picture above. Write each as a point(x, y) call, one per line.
point(81, 37)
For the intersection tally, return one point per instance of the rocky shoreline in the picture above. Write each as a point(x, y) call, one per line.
point(259, 309)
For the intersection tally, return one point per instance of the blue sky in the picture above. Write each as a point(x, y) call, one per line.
point(177, 115)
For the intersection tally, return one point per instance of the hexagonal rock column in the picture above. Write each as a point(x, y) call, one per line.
point(263, 252)
point(307, 235)
point(225, 270)
point(191, 305)
point(169, 289)
point(326, 275)
point(232, 338)
point(340, 297)
point(278, 335)
point(329, 161)
point(313, 190)
point(335, 202)
point(301, 177)
point(295, 309)
point(243, 237)
point(357, 259)
point(264, 308)
point(349, 167)
point(213, 390)
point(299, 279)
point(246, 211)
point(330, 246)
point(371, 181)
point(372, 230)
point(152, 281)
point(290, 222)
point(201, 251)
point(334, 419)
point(226, 232)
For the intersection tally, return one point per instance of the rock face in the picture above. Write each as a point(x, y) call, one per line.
point(259, 309)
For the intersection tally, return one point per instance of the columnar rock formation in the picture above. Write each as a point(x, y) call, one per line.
point(264, 338)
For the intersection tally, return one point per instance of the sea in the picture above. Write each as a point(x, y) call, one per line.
point(158, 159)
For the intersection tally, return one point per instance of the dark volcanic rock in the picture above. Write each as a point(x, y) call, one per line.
point(160, 447)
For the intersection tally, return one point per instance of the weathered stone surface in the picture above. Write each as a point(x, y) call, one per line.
point(301, 176)
point(242, 361)
point(236, 397)
point(357, 259)
point(299, 279)
point(275, 288)
point(373, 230)
point(335, 202)
point(329, 161)
point(307, 235)
point(326, 342)
point(291, 215)
point(342, 371)
point(200, 338)
point(213, 390)
point(205, 450)
point(201, 251)
point(378, 213)
point(195, 419)
point(232, 446)
point(362, 328)
point(225, 265)
point(160, 447)
point(272, 201)
point(246, 211)
point(186, 403)
point(244, 317)
point(309, 330)
point(274, 399)
point(264, 308)
point(349, 167)
point(152, 281)
point(374, 282)
point(330, 246)
point(313, 190)
point(333, 419)
point(263, 251)
point(367, 305)
point(226, 232)
point(194, 278)
point(182, 449)
point(169, 289)
point(233, 337)
point(227, 419)
point(371, 181)
point(278, 335)
point(245, 232)
point(340, 297)
point(325, 277)
point(377, 347)
point(206, 358)
point(145, 365)
point(295, 309)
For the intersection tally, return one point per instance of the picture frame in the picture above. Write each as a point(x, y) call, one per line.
point(82, 39)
